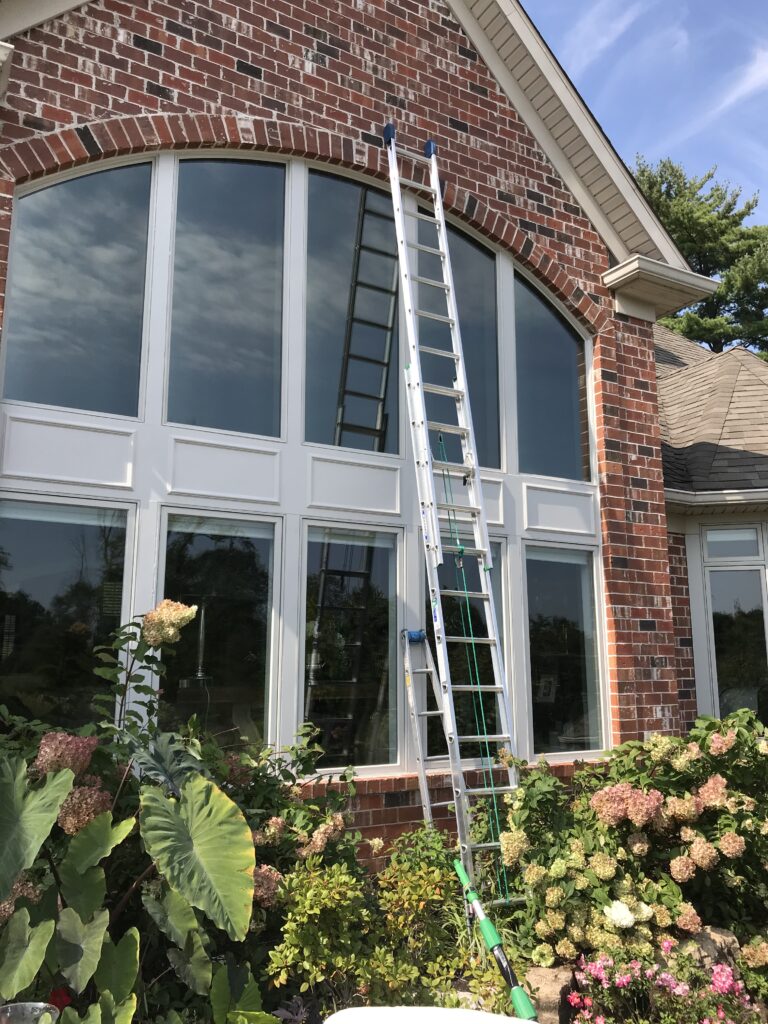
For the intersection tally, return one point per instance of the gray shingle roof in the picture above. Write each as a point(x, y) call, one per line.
point(714, 416)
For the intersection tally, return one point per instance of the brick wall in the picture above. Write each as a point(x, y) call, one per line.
point(681, 609)
point(319, 80)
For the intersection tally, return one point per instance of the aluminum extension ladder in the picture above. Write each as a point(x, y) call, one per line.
point(453, 523)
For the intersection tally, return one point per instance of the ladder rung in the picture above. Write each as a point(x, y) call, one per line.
point(367, 359)
point(484, 846)
point(430, 714)
point(431, 282)
point(423, 186)
point(427, 350)
point(467, 688)
point(453, 467)
point(378, 397)
point(485, 641)
point(489, 790)
point(358, 428)
point(447, 506)
point(426, 248)
point(491, 738)
point(448, 428)
point(472, 595)
point(418, 215)
point(378, 251)
point(441, 389)
point(440, 317)
point(460, 549)
point(413, 154)
point(512, 901)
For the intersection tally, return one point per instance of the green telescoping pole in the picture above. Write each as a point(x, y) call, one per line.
point(521, 1003)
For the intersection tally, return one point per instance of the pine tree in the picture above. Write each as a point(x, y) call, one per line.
point(706, 222)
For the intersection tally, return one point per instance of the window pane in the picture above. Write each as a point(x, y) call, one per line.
point(352, 365)
point(552, 424)
point(227, 297)
point(474, 276)
point(351, 672)
point(221, 669)
point(739, 629)
point(563, 650)
point(740, 542)
point(76, 292)
point(61, 584)
point(465, 617)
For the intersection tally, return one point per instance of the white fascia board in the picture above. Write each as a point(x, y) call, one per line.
point(640, 283)
point(701, 500)
point(6, 55)
point(17, 16)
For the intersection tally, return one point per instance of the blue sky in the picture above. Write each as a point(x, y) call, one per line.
point(680, 78)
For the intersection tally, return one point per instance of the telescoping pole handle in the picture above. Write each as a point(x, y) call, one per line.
point(521, 1003)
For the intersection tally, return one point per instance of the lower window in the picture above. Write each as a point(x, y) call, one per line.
point(565, 697)
point(221, 666)
point(738, 626)
point(61, 586)
point(350, 670)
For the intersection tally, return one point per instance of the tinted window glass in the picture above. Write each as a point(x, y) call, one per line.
point(352, 360)
point(563, 650)
point(350, 665)
point(474, 276)
point(739, 542)
point(76, 293)
point(227, 297)
point(221, 669)
point(552, 426)
point(61, 580)
point(738, 620)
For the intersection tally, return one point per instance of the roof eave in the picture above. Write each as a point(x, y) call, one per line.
point(691, 503)
point(649, 289)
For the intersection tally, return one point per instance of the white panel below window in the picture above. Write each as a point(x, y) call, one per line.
point(559, 511)
point(223, 471)
point(351, 485)
point(493, 491)
point(67, 452)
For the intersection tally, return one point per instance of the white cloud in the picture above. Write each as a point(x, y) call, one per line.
point(596, 31)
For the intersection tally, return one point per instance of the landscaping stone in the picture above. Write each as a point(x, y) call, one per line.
point(549, 988)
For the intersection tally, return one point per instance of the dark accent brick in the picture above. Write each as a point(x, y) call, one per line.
point(640, 506)
point(610, 376)
point(159, 90)
point(92, 147)
point(505, 197)
point(457, 125)
point(178, 29)
point(402, 799)
point(619, 562)
point(395, 33)
point(147, 44)
point(622, 317)
point(467, 52)
point(328, 50)
point(471, 206)
point(543, 230)
point(395, 101)
point(528, 225)
point(37, 124)
point(372, 140)
point(638, 481)
point(537, 197)
point(249, 69)
point(685, 641)
point(646, 451)
point(278, 30)
point(612, 446)
point(316, 33)
point(480, 90)
point(570, 208)
point(271, 104)
point(647, 625)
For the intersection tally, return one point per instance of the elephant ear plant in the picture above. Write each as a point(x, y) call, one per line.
point(125, 893)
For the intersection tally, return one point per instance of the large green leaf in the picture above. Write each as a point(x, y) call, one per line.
point(121, 1012)
point(172, 915)
point(192, 964)
point(203, 846)
point(247, 1017)
point(97, 840)
point(119, 965)
point(22, 950)
point(27, 815)
point(168, 760)
point(84, 893)
point(92, 1016)
point(233, 988)
point(79, 946)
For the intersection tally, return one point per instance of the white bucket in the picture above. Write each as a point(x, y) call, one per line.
point(417, 1015)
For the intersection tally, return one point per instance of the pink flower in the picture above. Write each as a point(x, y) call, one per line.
point(610, 804)
point(731, 844)
point(723, 981)
point(712, 793)
point(622, 980)
point(59, 750)
point(574, 999)
point(599, 1019)
point(83, 804)
point(719, 744)
point(643, 807)
point(667, 945)
point(266, 883)
point(682, 869)
point(687, 919)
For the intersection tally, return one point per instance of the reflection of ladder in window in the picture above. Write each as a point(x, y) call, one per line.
point(336, 614)
point(372, 307)
point(453, 524)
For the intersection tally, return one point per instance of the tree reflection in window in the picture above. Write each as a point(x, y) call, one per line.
point(350, 667)
point(739, 630)
point(220, 669)
point(61, 578)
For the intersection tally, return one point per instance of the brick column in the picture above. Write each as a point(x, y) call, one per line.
point(641, 639)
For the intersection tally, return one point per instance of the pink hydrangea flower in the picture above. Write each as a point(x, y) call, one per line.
point(667, 945)
point(723, 981)
point(719, 744)
point(610, 804)
point(712, 793)
point(643, 807)
point(83, 804)
point(574, 998)
point(682, 869)
point(622, 980)
point(687, 919)
point(732, 845)
point(59, 750)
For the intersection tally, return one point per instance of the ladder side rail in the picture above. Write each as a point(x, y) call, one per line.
point(350, 318)
point(417, 412)
point(413, 713)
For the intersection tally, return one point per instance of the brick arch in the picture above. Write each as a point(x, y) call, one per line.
point(56, 151)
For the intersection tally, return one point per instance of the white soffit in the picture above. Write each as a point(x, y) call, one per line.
point(546, 99)
point(18, 16)
point(649, 288)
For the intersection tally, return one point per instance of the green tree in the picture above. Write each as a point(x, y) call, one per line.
point(706, 219)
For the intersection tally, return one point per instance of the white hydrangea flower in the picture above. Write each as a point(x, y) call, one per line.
point(619, 914)
point(643, 912)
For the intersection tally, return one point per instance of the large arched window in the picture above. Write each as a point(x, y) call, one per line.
point(202, 364)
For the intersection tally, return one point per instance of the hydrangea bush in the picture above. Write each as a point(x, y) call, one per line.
point(656, 841)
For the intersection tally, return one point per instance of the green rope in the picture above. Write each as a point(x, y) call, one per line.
point(473, 671)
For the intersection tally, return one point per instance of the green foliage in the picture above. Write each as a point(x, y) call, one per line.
point(707, 223)
point(27, 815)
point(203, 846)
point(119, 965)
point(233, 989)
point(22, 950)
point(97, 840)
point(78, 946)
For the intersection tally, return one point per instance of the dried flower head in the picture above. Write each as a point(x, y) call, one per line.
point(687, 918)
point(661, 915)
point(513, 845)
point(755, 954)
point(638, 844)
point(610, 804)
point(82, 805)
point(164, 623)
point(643, 807)
point(326, 833)
point(732, 844)
point(603, 865)
point(661, 747)
point(21, 889)
point(687, 808)
point(566, 949)
point(684, 758)
point(554, 896)
point(59, 750)
point(713, 792)
point(682, 869)
point(266, 883)
point(719, 744)
point(703, 854)
point(534, 874)
point(376, 845)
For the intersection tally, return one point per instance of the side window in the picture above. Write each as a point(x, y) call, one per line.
point(75, 304)
point(552, 422)
point(61, 585)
